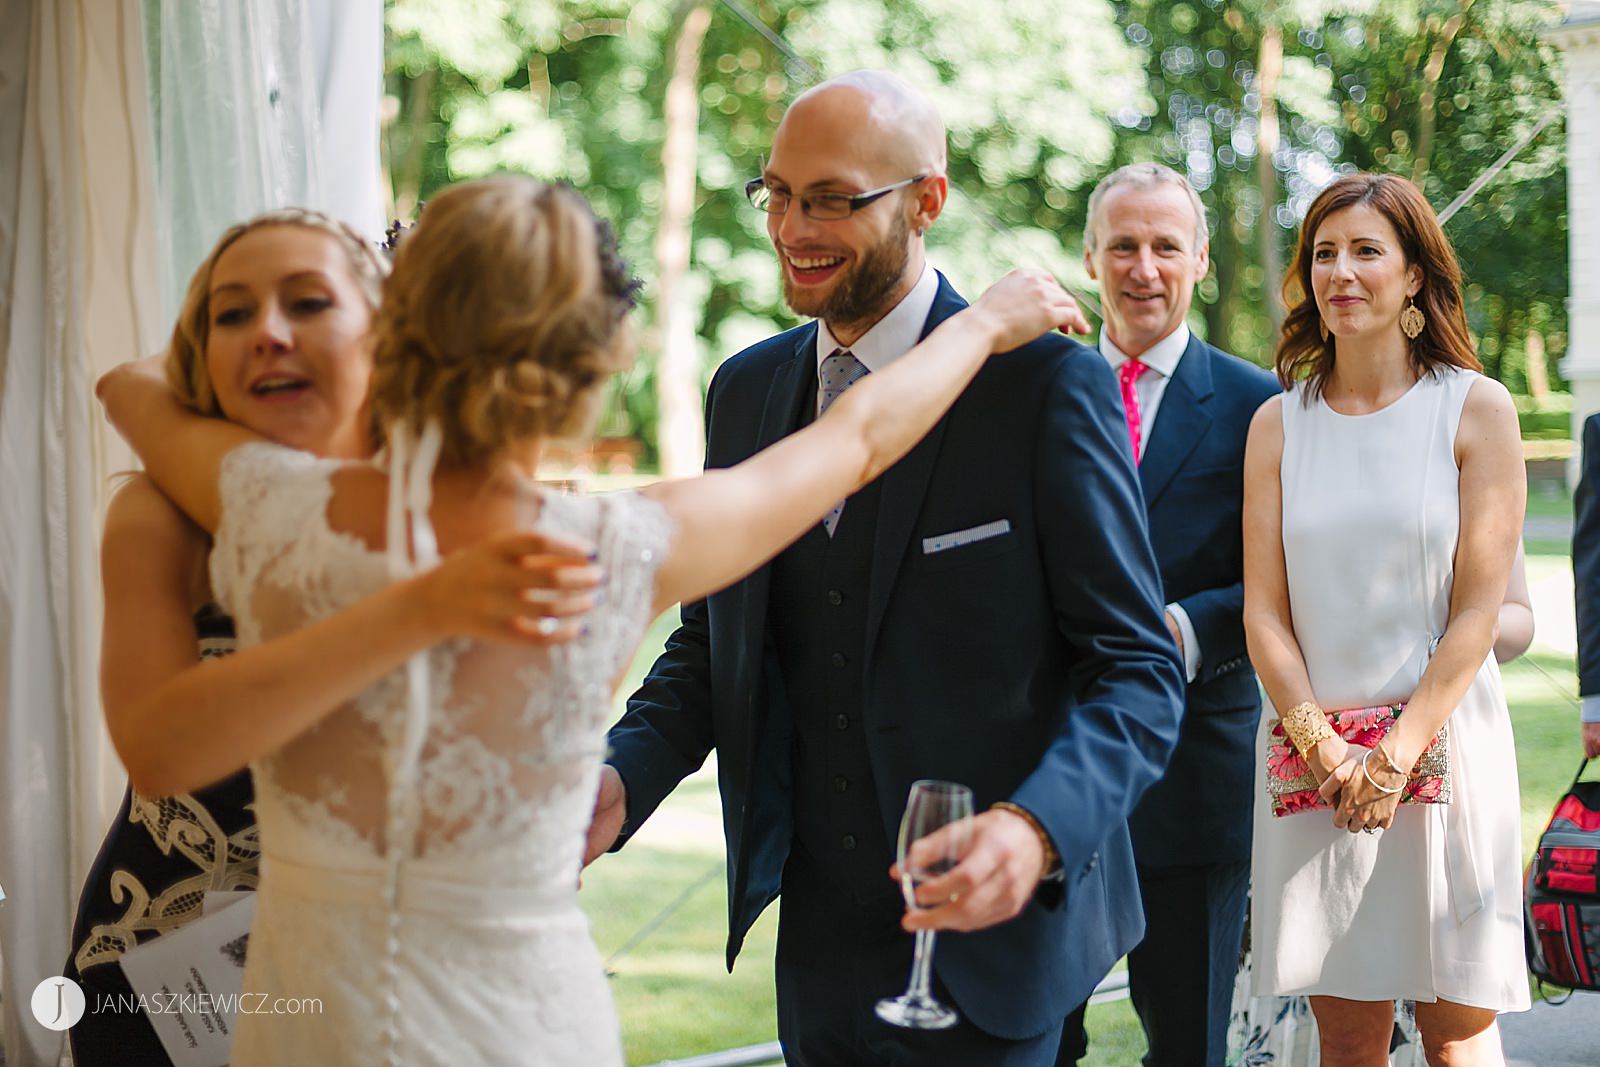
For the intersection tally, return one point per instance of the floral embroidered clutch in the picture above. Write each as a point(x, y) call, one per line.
point(1293, 787)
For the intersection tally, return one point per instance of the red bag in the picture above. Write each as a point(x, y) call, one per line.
point(1562, 892)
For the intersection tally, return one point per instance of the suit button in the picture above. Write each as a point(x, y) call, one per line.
point(837, 659)
point(848, 842)
point(841, 722)
point(841, 784)
point(835, 597)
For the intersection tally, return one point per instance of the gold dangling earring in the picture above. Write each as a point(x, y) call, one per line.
point(1322, 324)
point(1412, 320)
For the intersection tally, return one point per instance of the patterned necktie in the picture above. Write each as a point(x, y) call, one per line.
point(1127, 374)
point(838, 372)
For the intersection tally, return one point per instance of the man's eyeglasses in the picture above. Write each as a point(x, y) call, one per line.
point(822, 206)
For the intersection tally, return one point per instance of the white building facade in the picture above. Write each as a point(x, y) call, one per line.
point(1578, 37)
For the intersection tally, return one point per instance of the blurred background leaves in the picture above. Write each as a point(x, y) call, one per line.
point(1260, 102)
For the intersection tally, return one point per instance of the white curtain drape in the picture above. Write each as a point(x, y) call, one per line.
point(262, 104)
point(346, 42)
point(77, 197)
point(238, 106)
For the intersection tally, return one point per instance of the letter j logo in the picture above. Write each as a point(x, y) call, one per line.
point(58, 1003)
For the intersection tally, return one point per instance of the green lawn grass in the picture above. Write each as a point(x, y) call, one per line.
point(676, 999)
point(1549, 500)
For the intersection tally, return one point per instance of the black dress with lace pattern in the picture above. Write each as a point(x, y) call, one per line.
point(159, 859)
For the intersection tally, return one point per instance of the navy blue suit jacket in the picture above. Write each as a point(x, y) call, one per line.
point(1586, 559)
point(1033, 666)
point(1193, 478)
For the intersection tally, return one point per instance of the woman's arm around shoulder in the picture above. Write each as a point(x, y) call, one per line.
point(181, 450)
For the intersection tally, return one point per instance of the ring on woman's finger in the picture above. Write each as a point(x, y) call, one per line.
point(548, 625)
point(1369, 829)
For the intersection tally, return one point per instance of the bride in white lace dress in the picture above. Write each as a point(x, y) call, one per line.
point(422, 837)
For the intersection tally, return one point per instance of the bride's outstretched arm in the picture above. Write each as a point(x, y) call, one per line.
point(731, 521)
point(180, 724)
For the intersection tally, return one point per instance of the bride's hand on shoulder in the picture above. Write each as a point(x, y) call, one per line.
point(523, 588)
point(1025, 304)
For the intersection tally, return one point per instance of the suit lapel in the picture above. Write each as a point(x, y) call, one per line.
point(780, 417)
point(1181, 421)
point(903, 487)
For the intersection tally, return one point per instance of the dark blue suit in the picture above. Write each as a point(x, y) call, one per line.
point(1031, 665)
point(1191, 832)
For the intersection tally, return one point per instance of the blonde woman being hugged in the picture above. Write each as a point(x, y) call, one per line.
point(421, 842)
point(272, 335)
point(1384, 498)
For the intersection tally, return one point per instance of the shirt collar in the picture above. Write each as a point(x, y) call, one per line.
point(1162, 357)
point(893, 335)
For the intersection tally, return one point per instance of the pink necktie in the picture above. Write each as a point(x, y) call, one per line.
point(1127, 374)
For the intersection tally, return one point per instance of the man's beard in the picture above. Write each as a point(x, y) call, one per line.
point(860, 294)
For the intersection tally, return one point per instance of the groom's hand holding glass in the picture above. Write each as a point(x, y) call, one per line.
point(995, 877)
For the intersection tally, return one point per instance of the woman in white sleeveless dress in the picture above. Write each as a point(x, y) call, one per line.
point(421, 838)
point(1383, 503)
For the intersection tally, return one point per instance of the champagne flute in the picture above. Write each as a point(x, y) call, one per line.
point(932, 806)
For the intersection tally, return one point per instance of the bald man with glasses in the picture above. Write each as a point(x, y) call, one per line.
point(988, 611)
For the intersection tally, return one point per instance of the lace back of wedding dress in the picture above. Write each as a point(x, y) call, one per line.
point(477, 763)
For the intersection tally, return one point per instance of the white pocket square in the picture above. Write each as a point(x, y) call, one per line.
point(942, 542)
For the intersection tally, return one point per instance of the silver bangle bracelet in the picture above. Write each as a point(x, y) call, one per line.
point(1373, 782)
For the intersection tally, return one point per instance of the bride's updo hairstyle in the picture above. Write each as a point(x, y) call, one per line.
point(186, 354)
point(503, 319)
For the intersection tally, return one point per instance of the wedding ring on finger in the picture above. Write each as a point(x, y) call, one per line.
point(548, 625)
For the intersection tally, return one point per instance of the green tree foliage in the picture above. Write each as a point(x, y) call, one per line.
point(1431, 89)
point(1038, 108)
point(575, 91)
point(1494, 80)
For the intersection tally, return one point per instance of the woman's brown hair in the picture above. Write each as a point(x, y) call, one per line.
point(1444, 341)
point(186, 354)
point(503, 318)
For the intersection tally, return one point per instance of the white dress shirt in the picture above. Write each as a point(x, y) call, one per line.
point(891, 336)
point(1162, 360)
